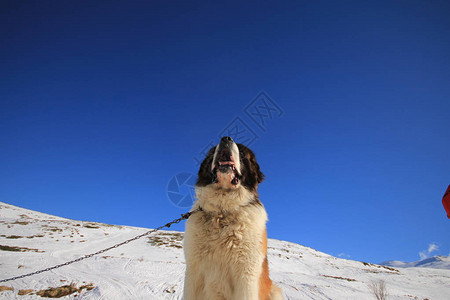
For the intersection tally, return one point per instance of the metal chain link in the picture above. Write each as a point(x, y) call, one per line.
point(176, 221)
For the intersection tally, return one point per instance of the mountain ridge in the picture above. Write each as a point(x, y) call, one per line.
point(436, 262)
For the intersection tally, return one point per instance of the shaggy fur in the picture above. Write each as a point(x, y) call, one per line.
point(226, 242)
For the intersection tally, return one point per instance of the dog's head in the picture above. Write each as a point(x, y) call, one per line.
point(230, 166)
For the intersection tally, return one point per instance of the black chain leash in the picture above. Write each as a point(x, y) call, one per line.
point(183, 217)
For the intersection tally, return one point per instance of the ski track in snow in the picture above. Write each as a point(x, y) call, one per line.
point(152, 267)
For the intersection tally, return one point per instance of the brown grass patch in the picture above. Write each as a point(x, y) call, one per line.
point(341, 278)
point(18, 249)
point(14, 237)
point(91, 226)
point(5, 288)
point(64, 290)
point(25, 292)
point(21, 223)
point(35, 236)
point(167, 239)
point(393, 270)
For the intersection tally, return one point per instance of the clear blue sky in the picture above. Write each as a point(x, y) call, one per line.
point(103, 102)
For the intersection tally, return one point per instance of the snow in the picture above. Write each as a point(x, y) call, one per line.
point(153, 267)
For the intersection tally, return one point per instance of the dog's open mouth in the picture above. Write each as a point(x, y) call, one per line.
point(225, 163)
point(225, 166)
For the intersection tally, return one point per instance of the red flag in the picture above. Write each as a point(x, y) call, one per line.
point(446, 201)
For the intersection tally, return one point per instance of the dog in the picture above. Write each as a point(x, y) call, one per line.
point(225, 241)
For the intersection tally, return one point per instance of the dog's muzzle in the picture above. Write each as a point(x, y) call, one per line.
point(226, 160)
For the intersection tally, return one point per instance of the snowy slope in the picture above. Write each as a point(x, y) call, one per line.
point(436, 262)
point(153, 267)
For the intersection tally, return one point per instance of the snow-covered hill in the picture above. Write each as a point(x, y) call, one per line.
point(153, 267)
point(436, 262)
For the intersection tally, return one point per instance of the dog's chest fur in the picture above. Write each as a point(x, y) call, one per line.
point(228, 220)
point(224, 240)
point(226, 231)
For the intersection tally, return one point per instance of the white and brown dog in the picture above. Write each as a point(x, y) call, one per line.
point(225, 242)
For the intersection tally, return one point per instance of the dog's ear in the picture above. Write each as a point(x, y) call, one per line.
point(205, 175)
point(251, 173)
point(259, 176)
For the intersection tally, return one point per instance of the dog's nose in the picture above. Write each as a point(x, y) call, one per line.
point(227, 139)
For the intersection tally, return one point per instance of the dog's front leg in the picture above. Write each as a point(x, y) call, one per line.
point(193, 285)
point(247, 289)
point(189, 289)
point(247, 279)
